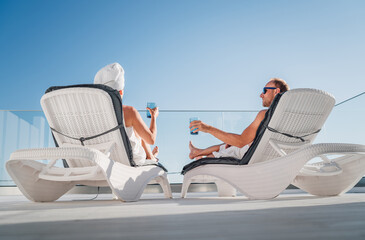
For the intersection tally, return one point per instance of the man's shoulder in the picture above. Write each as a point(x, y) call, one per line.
point(262, 112)
point(261, 115)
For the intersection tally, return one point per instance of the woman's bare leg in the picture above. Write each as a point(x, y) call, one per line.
point(147, 149)
point(199, 153)
point(155, 151)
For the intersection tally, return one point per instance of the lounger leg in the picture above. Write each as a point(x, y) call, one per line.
point(225, 189)
point(25, 175)
point(128, 183)
point(185, 186)
point(164, 183)
point(114, 197)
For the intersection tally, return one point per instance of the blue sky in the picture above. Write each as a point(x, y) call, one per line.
point(185, 55)
point(201, 54)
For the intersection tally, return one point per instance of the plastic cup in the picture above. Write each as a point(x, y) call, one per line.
point(151, 105)
point(191, 131)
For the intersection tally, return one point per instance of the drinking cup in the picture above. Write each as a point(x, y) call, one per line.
point(151, 105)
point(191, 131)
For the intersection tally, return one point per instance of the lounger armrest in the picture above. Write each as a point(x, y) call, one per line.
point(56, 153)
point(317, 150)
point(52, 173)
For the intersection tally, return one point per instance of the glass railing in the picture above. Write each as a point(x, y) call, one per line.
point(345, 124)
point(29, 129)
point(174, 135)
point(18, 130)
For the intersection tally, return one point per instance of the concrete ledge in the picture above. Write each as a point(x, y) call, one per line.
point(151, 188)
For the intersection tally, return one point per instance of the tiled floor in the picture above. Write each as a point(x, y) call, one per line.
point(292, 215)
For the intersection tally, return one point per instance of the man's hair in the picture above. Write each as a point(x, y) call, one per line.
point(280, 83)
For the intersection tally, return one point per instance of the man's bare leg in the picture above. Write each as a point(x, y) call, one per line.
point(208, 156)
point(199, 153)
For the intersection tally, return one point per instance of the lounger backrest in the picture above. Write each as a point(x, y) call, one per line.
point(299, 112)
point(84, 111)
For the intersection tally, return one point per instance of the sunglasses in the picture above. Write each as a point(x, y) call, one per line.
point(266, 88)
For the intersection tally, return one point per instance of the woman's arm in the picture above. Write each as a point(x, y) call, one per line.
point(135, 119)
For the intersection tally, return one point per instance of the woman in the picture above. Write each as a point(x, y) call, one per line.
point(140, 136)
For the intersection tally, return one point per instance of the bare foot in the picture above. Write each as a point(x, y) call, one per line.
point(153, 158)
point(155, 151)
point(194, 152)
point(153, 155)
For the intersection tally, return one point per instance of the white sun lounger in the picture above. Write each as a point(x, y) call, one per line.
point(89, 115)
point(280, 152)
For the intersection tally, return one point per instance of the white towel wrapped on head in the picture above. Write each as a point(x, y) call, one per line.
point(111, 75)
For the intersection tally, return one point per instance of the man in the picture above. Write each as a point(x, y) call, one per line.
point(235, 145)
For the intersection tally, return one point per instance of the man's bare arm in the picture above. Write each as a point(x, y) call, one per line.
point(232, 139)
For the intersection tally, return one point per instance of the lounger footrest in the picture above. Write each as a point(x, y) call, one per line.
point(325, 169)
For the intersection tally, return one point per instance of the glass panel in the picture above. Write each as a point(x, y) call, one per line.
point(345, 123)
point(174, 135)
point(18, 130)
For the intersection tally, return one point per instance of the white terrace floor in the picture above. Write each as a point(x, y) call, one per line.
point(292, 215)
